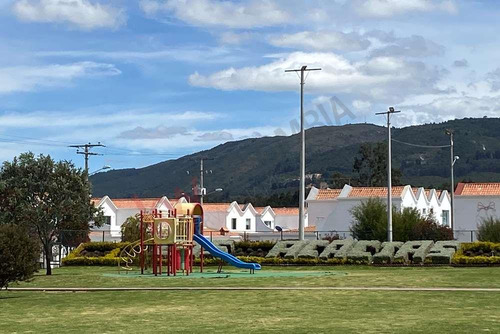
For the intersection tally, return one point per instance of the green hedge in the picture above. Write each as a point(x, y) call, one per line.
point(111, 258)
point(413, 252)
point(386, 254)
point(477, 253)
point(253, 248)
point(337, 249)
point(442, 252)
point(363, 251)
point(287, 249)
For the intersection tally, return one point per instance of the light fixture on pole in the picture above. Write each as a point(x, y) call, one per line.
point(302, 70)
point(389, 171)
point(101, 169)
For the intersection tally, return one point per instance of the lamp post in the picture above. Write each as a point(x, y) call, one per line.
point(389, 171)
point(453, 160)
point(302, 190)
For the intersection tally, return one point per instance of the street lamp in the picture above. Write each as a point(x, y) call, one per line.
point(101, 169)
point(453, 160)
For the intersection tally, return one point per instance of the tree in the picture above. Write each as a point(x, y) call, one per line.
point(370, 223)
point(131, 229)
point(371, 166)
point(489, 230)
point(19, 254)
point(46, 197)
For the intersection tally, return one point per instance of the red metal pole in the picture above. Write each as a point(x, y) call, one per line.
point(141, 254)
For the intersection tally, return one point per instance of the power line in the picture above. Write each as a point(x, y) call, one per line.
point(423, 146)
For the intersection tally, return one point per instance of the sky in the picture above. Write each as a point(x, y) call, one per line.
point(158, 79)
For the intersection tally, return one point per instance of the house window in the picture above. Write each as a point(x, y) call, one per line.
point(424, 211)
point(107, 220)
point(445, 218)
point(233, 223)
point(248, 223)
point(268, 223)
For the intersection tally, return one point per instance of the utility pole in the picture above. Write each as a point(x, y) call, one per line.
point(202, 171)
point(453, 159)
point(302, 70)
point(86, 151)
point(389, 171)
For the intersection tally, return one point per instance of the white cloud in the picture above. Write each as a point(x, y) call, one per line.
point(388, 8)
point(215, 136)
point(381, 77)
point(245, 14)
point(84, 14)
point(230, 37)
point(413, 46)
point(184, 54)
point(28, 78)
point(322, 41)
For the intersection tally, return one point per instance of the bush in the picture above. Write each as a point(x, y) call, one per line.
point(370, 223)
point(477, 253)
point(313, 249)
point(489, 230)
point(287, 249)
point(386, 254)
point(337, 249)
point(413, 252)
point(131, 229)
point(370, 220)
point(95, 254)
point(253, 248)
point(363, 251)
point(19, 254)
point(442, 252)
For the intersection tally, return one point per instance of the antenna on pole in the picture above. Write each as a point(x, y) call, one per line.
point(302, 70)
point(389, 171)
point(86, 151)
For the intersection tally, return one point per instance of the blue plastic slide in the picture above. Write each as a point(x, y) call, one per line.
point(232, 260)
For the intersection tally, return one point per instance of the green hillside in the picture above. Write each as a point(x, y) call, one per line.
point(263, 166)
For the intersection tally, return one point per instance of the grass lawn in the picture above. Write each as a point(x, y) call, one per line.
point(259, 311)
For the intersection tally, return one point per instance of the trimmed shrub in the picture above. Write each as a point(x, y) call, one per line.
point(386, 254)
point(95, 254)
point(313, 249)
point(442, 252)
point(477, 253)
point(363, 251)
point(19, 254)
point(428, 229)
point(253, 248)
point(225, 245)
point(287, 249)
point(337, 249)
point(489, 230)
point(413, 252)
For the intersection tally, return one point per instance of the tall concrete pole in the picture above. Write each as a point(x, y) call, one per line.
point(302, 189)
point(201, 181)
point(452, 164)
point(389, 171)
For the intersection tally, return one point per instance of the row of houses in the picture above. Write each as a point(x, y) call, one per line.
point(231, 217)
point(327, 209)
point(330, 209)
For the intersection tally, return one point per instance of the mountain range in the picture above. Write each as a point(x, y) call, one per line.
point(270, 165)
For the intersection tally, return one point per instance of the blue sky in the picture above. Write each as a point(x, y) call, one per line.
point(155, 80)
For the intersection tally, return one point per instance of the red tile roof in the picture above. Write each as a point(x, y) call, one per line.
point(328, 193)
point(375, 191)
point(478, 189)
point(286, 211)
point(212, 207)
point(135, 203)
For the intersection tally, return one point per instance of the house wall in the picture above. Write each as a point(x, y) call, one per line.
point(335, 215)
point(469, 212)
point(268, 216)
point(215, 220)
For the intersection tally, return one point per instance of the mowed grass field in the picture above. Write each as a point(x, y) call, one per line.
point(295, 311)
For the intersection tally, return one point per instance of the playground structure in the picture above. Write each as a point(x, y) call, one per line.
point(176, 231)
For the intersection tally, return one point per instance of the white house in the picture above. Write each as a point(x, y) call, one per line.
point(246, 218)
point(473, 203)
point(117, 210)
point(329, 209)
